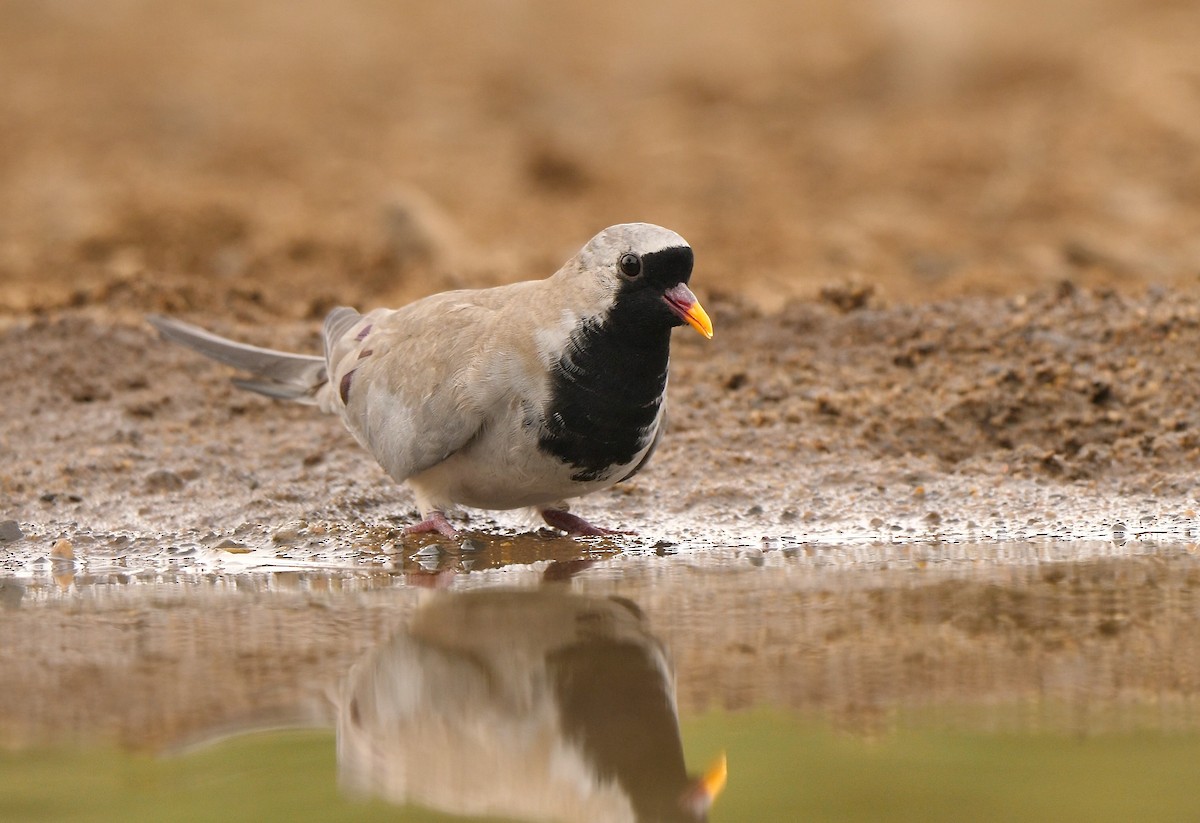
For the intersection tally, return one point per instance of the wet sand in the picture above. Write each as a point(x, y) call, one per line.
point(952, 259)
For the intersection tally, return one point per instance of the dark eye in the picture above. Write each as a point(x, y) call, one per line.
point(630, 265)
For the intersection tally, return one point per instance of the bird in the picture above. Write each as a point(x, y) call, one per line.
point(525, 395)
point(523, 703)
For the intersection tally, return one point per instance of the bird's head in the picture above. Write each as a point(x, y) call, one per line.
point(644, 270)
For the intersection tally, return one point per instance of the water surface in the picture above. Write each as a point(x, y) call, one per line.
point(881, 681)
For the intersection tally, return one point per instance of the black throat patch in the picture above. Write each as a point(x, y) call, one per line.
point(605, 393)
point(612, 693)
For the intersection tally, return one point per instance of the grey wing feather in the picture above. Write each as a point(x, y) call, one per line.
point(339, 321)
point(416, 384)
point(281, 374)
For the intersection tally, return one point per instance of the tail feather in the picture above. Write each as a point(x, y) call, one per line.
point(278, 373)
point(282, 391)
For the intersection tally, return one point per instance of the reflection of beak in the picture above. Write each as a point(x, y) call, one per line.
point(681, 301)
point(714, 779)
point(703, 791)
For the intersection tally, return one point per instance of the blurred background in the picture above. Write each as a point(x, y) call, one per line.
point(279, 157)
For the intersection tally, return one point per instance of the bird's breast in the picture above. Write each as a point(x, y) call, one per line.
point(604, 401)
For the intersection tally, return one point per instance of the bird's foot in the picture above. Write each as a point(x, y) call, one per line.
point(435, 522)
point(574, 525)
point(560, 571)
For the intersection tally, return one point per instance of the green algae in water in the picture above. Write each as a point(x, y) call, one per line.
point(779, 769)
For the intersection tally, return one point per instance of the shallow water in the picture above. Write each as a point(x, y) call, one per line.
point(876, 681)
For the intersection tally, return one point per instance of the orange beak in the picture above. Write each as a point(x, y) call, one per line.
point(714, 778)
point(703, 791)
point(683, 303)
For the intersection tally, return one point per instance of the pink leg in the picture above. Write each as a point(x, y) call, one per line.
point(573, 524)
point(435, 522)
point(560, 571)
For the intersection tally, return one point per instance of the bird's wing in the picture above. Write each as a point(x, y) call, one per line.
point(416, 384)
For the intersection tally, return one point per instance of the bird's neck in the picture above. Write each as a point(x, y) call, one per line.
point(606, 391)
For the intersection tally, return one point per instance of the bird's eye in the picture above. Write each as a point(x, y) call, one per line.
point(630, 265)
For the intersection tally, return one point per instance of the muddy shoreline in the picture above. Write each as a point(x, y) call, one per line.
point(1063, 414)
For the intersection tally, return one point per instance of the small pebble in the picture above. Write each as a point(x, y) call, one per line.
point(430, 550)
point(10, 530)
point(287, 534)
point(54, 497)
point(62, 550)
point(473, 544)
point(162, 480)
point(229, 543)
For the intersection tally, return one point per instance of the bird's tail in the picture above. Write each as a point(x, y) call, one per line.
point(273, 373)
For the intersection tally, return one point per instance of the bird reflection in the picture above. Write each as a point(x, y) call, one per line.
point(534, 704)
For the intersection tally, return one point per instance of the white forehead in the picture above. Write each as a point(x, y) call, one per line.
point(639, 238)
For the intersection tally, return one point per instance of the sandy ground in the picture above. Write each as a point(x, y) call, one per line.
point(952, 256)
point(952, 252)
point(1067, 414)
point(266, 159)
